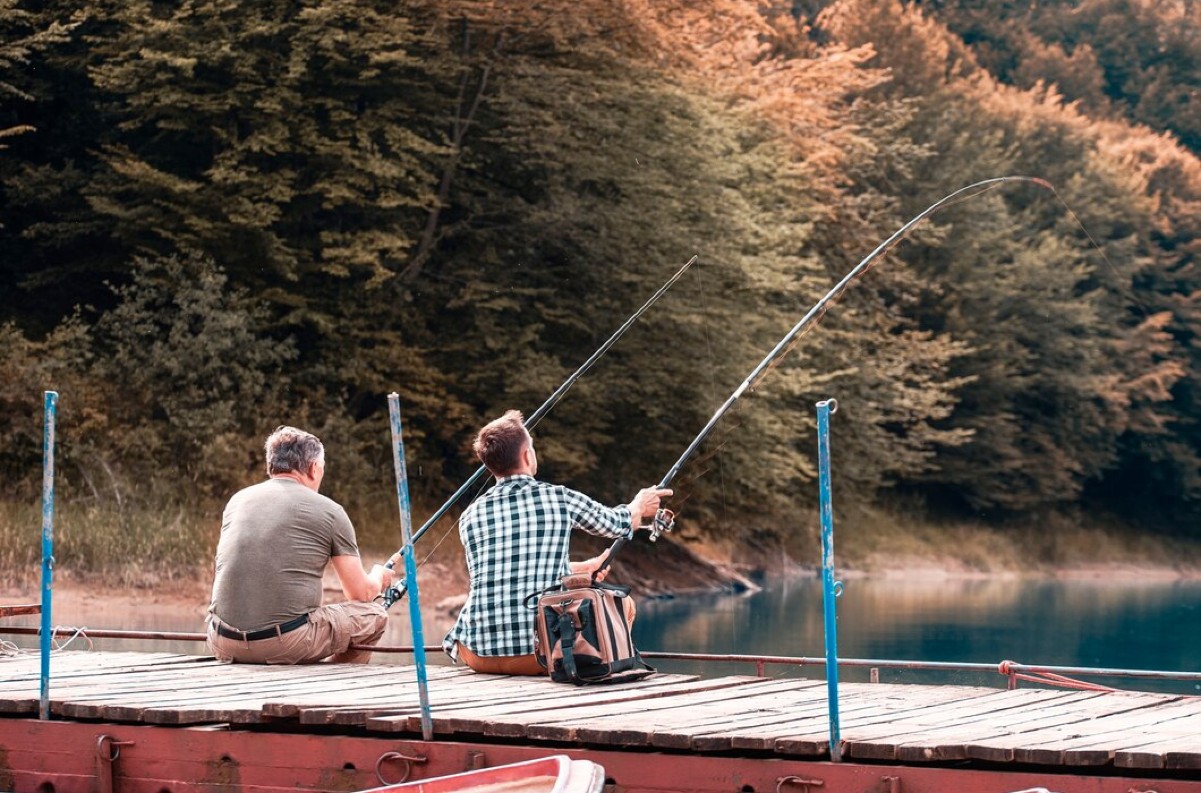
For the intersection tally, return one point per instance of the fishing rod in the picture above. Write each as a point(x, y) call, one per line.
point(664, 519)
point(395, 593)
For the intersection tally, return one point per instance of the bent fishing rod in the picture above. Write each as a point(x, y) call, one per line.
point(395, 593)
point(664, 519)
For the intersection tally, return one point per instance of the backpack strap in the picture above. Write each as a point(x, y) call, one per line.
point(643, 664)
point(531, 600)
point(619, 589)
point(566, 642)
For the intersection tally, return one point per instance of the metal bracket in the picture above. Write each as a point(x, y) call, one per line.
point(805, 784)
point(108, 749)
point(408, 761)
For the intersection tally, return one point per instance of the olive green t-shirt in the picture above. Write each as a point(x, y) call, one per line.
point(276, 539)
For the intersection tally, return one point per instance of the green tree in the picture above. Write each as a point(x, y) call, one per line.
point(1057, 348)
point(187, 370)
point(21, 36)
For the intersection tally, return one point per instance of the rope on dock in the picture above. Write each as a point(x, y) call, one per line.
point(1048, 678)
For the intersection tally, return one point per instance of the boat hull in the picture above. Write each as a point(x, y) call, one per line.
point(554, 774)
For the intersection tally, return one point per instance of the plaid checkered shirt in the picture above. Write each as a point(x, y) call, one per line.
point(516, 539)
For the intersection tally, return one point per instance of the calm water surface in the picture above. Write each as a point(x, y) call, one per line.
point(1111, 624)
point(1151, 625)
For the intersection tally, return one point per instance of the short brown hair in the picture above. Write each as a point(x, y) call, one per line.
point(499, 444)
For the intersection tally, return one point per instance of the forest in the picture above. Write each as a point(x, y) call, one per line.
point(218, 217)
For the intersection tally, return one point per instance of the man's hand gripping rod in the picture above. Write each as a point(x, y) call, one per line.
point(395, 593)
point(664, 521)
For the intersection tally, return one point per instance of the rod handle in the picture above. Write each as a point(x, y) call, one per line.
point(614, 549)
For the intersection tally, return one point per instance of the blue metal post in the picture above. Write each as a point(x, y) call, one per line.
point(50, 411)
point(831, 589)
point(406, 531)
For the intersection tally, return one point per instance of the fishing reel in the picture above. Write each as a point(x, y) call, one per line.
point(392, 595)
point(664, 520)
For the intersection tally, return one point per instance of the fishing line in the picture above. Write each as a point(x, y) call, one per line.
point(705, 310)
point(815, 314)
point(664, 520)
point(1147, 312)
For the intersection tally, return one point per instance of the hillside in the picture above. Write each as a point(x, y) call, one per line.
point(223, 218)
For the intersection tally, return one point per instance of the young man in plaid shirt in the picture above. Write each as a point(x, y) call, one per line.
point(516, 538)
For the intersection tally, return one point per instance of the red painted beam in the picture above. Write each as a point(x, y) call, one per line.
point(72, 757)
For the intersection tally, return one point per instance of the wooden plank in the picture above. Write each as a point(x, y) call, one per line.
point(460, 684)
point(1163, 750)
point(877, 736)
point(1003, 748)
point(786, 717)
point(71, 675)
point(712, 729)
point(808, 734)
point(456, 700)
point(225, 682)
point(246, 707)
point(1161, 735)
point(807, 727)
point(1165, 736)
point(1096, 740)
point(298, 700)
point(982, 729)
point(559, 701)
point(324, 707)
point(238, 698)
point(804, 728)
point(512, 719)
point(352, 690)
point(790, 704)
point(633, 723)
point(469, 711)
point(20, 671)
point(182, 686)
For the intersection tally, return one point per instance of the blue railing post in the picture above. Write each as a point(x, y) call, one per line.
point(831, 589)
point(406, 531)
point(50, 406)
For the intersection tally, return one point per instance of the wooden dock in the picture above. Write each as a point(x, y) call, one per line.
point(1008, 739)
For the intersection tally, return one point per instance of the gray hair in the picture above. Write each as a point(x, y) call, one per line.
point(289, 449)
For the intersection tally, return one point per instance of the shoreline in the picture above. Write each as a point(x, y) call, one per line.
point(1120, 571)
point(440, 591)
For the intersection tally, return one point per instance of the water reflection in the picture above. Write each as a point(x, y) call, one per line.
point(1094, 623)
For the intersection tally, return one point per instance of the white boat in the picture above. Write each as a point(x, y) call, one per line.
point(554, 774)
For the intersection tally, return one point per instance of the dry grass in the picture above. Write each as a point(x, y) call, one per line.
point(152, 544)
point(128, 546)
point(876, 541)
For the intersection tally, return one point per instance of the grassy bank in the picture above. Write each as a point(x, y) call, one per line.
point(874, 541)
point(145, 545)
point(150, 543)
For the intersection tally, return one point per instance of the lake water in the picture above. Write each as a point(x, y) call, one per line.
point(1135, 624)
point(1112, 624)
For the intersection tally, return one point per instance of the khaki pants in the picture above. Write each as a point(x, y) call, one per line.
point(328, 635)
